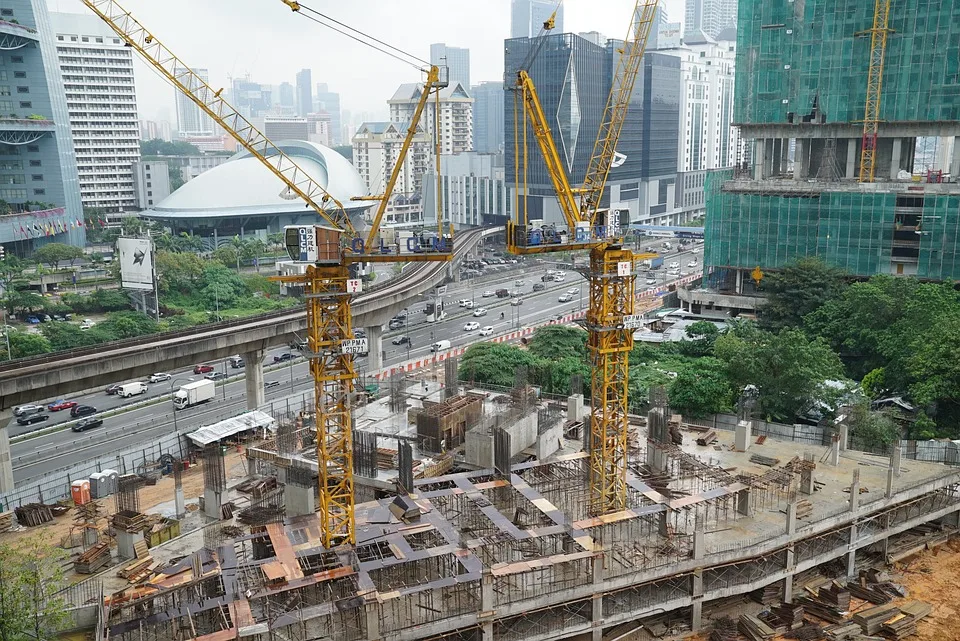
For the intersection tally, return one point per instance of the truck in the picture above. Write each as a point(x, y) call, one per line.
point(193, 394)
point(654, 263)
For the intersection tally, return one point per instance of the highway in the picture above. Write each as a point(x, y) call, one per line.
point(33, 457)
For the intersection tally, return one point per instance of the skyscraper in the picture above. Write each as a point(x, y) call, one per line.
point(192, 121)
point(710, 16)
point(251, 98)
point(304, 93)
point(97, 73)
point(329, 101)
point(286, 95)
point(527, 17)
point(36, 146)
point(488, 117)
point(456, 59)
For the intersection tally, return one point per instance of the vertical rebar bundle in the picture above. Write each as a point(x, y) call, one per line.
point(214, 473)
point(128, 493)
point(365, 453)
point(451, 388)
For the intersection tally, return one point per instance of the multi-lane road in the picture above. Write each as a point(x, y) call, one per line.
point(146, 422)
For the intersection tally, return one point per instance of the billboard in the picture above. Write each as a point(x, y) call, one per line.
point(136, 263)
point(668, 35)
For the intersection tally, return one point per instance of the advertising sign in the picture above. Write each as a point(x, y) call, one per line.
point(136, 263)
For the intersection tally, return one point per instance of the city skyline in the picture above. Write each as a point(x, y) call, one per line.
point(293, 43)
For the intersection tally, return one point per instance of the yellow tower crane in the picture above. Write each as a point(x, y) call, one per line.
point(871, 116)
point(610, 320)
point(330, 249)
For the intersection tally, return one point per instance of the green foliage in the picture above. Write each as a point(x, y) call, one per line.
point(227, 256)
point(55, 253)
point(262, 284)
point(703, 335)
point(555, 342)
point(934, 367)
point(701, 391)
point(797, 290)
point(31, 574)
point(176, 271)
point(63, 336)
point(789, 369)
point(874, 383)
point(158, 147)
point(494, 363)
point(23, 301)
point(127, 324)
point(24, 344)
point(554, 376)
point(871, 429)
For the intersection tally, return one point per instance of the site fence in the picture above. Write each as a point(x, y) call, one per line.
point(812, 434)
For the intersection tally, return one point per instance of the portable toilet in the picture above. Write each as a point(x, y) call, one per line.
point(80, 491)
point(98, 485)
point(112, 481)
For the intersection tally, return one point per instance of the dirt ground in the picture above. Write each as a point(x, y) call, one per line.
point(934, 577)
point(150, 497)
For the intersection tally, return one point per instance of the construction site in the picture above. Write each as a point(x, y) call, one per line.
point(848, 117)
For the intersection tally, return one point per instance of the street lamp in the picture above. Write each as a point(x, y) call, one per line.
point(172, 383)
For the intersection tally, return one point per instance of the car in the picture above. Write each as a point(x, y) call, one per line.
point(486, 331)
point(112, 389)
point(237, 362)
point(516, 293)
point(519, 283)
point(33, 320)
point(30, 419)
point(695, 250)
point(469, 304)
point(539, 287)
point(488, 294)
point(559, 273)
point(463, 302)
point(82, 410)
point(674, 265)
point(480, 311)
point(558, 278)
point(565, 298)
point(573, 290)
point(159, 377)
point(471, 326)
point(27, 409)
point(87, 423)
point(46, 318)
point(59, 317)
point(57, 406)
point(651, 281)
point(271, 384)
point(692, 264)
point(396, 323)
point(516, 301)
point(215, 376)
point(401, 340)
point(202, 369)
point(359, 332)
point(283, 358)
point(86, 324)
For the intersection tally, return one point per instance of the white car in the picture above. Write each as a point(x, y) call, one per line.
point(159, 377)
point(516, 301)
point(86, 324)
point(692, 264)
point(486, 331)
point(695, 250)
point(471, 326)
point(518, 283)
point(463, 302)
point(573, 290)
point(488, 294)
point(559, 273)
point(674, 265)
point(27, 409)
point(478, 312)
point(651, 281)
point(469, 304)
point(565, 298)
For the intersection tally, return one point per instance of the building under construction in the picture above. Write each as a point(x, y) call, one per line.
point(819, 83)
point(513, 553)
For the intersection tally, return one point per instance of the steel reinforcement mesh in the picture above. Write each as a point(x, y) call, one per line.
point(789, 53)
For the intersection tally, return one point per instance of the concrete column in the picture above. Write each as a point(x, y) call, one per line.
point(788, 589)
point(739, 286)
point(374, 347)
point(851, 171)
point(835, 450)
point(180, 504)
point(844, 436)
point(889, 491)
point(807, 479)
point(791, 518)
point(253, 367)
point(760, 158)
point(696, 612)
point(778, 154)
point(895, 459)
point(955, 160)
point(855, 491)
point(696, 579)
point(852, 551)
point(895, 157)
point(299, 500)
point(800, 159)
point(575, 407)
point(125, 541)
point(742, 436)
point(768, 158)
point(743, 502)
point(6, 463)
point(211, 504)
point(784, 155)
point(371, 611)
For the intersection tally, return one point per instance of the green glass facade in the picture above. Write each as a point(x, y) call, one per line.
point(801, 51)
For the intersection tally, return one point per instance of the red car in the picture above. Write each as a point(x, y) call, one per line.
point(56, 406)
point(202, 369)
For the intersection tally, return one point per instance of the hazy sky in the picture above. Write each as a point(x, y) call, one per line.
point(263, 38)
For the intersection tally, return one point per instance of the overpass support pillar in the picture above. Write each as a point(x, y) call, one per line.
point(374, 348)
point(253, 364)
point(6, 465)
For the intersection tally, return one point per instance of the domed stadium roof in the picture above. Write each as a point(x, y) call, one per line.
point(242, 186)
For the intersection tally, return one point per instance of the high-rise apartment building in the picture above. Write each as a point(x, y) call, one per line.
point(488, 117)
point(376, 147)
point(37, 161)
point(304, 93)
point(474, 191)
point(710, 16)
point(329, 102)
point(97, 72)
point(527, 17)
point(192, 121)
point(707, 136)
point(799, 102)
point(456, 114)
point(456, 59)
point(151, 180)
point(252, 99)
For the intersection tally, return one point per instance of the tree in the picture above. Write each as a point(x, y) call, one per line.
point(276, 242)
point(24, 344)
point(30, 577)
point(554, 342)
point(872, 429)
point(55, 253)
point(127, 324)
point(798, 289)
point(23, 300)
point(61, 336)
point(240, 248)
point(790, 370)
point(700, 392)
point(227, 255)
point(935, 370)
point(494, 363)
point(96, 259)
point(132, 226)
point(179, 272)
point(109, 300)
point(702, 334)
point(253, 249)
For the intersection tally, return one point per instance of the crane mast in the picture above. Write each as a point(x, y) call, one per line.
point(871, 116)
point(330, 248)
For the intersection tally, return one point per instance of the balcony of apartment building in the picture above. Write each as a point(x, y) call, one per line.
point(16, 36)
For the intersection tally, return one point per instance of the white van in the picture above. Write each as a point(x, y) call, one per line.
point(132, 389)
point(439, 346)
